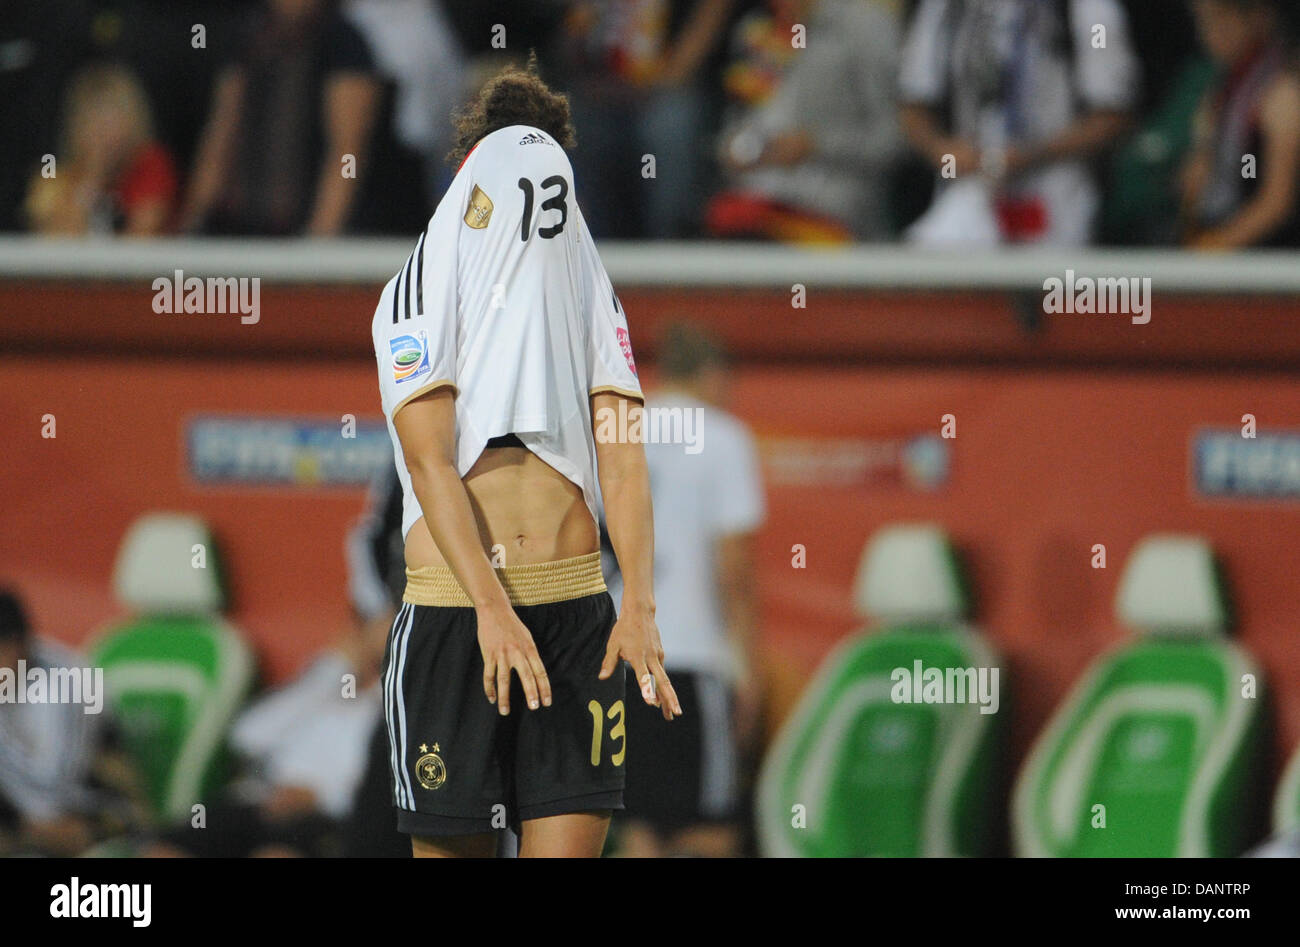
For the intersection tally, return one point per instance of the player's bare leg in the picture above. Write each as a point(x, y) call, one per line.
point(705, 841)
point(483, 845)
point(572, 835)
point(275, 851)
point(639, 840)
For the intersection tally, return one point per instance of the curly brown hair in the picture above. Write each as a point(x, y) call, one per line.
point(514, 96)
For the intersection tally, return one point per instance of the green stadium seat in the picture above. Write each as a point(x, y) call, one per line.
point(175, 673)
point(854, 772)
point(1157, 732)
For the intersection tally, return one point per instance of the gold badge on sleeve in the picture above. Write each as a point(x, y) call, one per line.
point(479, 211)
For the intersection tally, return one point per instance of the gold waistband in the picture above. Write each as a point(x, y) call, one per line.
point(536, 584)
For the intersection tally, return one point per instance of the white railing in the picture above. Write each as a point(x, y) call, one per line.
point(703, 264)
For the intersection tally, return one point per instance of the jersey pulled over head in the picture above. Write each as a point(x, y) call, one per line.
point(504, 299)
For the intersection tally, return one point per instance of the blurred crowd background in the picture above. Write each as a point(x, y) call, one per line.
point(1112, 121)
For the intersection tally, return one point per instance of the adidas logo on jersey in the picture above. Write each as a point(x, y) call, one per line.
point(532, 138)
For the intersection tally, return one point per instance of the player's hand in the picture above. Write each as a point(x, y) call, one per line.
point(507, 646)
point(635, 639)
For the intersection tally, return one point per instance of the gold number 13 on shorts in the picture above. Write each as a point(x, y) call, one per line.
point(616, 732)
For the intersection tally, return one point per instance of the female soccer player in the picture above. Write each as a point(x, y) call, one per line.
point(500, 347)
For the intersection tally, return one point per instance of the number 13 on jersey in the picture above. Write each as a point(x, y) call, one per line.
point(557, 201)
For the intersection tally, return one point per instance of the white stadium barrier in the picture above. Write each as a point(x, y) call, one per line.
point(704, 264)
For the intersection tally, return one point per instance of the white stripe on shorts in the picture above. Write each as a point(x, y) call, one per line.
point(400, 699)
point(390, 690)
point(718, 766)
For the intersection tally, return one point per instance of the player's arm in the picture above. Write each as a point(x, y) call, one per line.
point(424, 318)
point(426, 427)
point(923, 131)
point(738, 594)
point(738, 509)
point(1089, 134)
point(215, 149)
point(624, 481)
point(351, 101)
point(625, 486)
point(736, 589)
point(698, 36)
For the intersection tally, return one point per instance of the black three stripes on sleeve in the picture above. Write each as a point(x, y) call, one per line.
point(401, 305)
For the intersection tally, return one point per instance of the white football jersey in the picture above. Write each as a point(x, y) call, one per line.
point(505, 300)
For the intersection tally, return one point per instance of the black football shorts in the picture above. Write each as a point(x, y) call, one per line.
point(684, 773)
point(458, 766)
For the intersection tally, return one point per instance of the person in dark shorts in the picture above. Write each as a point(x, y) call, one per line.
point(474, 766)
point(682, 787)
point(686, 783)
point(507, 379)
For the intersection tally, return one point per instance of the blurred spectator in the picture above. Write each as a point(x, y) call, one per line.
point(317, 780)
point(41, 44)
point(110, 173)
point(1164, 38)
point(376, 551)
point(807, 165)
point(305, 748)
point(376, 557)
point(176, 48)
point(639, 72)
point(61, 786)
point(683, 792)
point(1143, 199)
point(299, 96)
point(760, 52)
point(528, 25)
point(1033, 89)
point(419, 57)
point(370, 829)
point(1240, 187)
